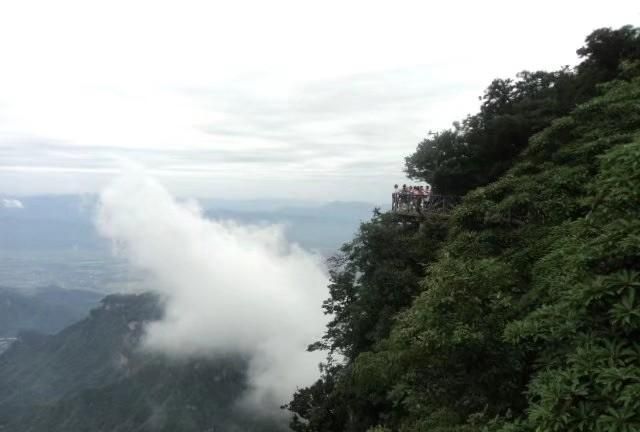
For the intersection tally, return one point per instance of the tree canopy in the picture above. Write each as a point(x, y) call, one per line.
point(479, 149)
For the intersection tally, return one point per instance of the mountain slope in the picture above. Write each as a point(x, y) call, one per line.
point(39, 368)
point(526, 316)
point(93, 376)
point(530, 309)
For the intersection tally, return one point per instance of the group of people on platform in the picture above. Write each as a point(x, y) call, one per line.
point(410, 197)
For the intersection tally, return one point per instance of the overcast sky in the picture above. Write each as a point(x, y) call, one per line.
point(251, 99)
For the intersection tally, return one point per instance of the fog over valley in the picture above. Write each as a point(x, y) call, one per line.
point(229, 288)
point(52, 239)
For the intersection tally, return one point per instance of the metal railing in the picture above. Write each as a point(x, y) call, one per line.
point(417, 205)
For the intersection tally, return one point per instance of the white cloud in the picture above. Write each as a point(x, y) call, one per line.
point(12, 203)
point(230, 288)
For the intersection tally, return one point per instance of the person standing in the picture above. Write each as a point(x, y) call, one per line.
point(427, 192)
point(395, 198)
point(419, 195)
point(404, 196)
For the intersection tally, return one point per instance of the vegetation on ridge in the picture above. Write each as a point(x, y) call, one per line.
point(519, 310)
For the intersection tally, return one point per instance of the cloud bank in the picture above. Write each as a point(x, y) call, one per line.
point(229, 288)
point(11, 203)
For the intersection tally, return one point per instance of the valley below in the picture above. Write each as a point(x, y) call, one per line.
point(95, 375)
point(5, 343)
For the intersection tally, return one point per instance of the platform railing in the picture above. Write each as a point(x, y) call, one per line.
point(416, 205)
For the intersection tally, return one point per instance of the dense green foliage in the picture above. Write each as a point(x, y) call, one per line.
point(92, 376)
point(483, 146)
point(520, 309)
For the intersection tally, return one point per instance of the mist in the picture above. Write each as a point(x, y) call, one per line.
point(229, 289)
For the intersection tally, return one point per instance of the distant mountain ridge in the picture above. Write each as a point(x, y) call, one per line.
point(66, 222)
point(45, 309)
point(92, 376)
point(322, 228)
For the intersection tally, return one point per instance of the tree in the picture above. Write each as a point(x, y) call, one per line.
point(481, 148)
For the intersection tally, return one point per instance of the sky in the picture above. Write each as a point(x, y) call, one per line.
point(253, 99)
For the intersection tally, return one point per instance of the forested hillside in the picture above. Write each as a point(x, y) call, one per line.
point(519, 310)
point(94, 376)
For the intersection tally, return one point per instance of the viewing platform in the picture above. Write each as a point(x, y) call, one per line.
point(418, 206)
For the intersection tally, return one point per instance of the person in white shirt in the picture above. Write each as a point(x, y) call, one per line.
point(427, 192)
point(395, 197)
